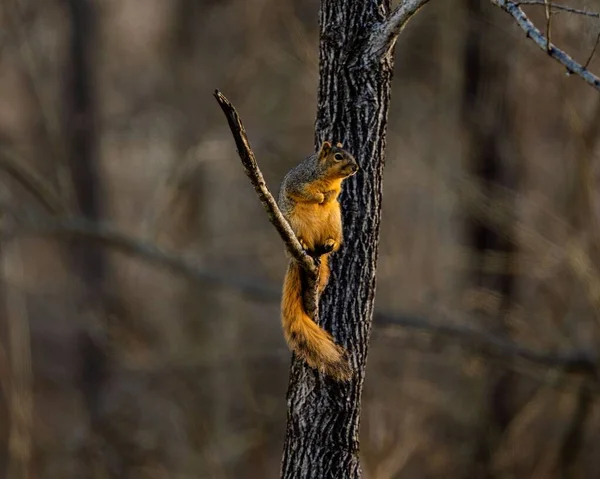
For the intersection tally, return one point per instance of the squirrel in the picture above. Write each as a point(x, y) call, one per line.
point(308, 199)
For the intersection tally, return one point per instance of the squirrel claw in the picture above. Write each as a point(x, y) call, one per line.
point(303, 244)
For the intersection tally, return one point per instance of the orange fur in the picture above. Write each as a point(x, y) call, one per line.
point(313, 344)
point(309, 202)
point(315, 223)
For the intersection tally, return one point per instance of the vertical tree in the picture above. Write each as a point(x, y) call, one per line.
point(356, 64)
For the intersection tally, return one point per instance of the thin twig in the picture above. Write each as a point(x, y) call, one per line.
point(548, 24)
point(489, 344)
point(260, 186)
point(31, 181)
point(562, 8)
point(384, 35)
point(587, 62)
point(512, 8)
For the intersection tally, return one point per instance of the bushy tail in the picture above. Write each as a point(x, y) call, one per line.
point(306, 338)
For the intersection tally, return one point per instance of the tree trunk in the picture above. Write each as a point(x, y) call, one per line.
point(354, 94)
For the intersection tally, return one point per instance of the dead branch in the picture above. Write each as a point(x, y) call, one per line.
point(311, 296)
point(560, 8)
point(548, 12)
point(488, 344)
point(383, 37)
point(106, 235)
point(31, 181)
point(573, 67)
point(264, 195)
point(593, 52)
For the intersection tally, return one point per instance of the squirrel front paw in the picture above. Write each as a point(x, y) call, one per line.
point(330, 245)
point(326, 247)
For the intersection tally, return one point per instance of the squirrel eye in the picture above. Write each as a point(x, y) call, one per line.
point(338, 157)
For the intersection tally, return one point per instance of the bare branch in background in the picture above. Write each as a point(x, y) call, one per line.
point(475, 340)
point(560, 8)
point(383, 38)
point(592, 53)
point(31, 181)
point(266, 198)
point(487, 344)
point(513, 9)
point(81, 228)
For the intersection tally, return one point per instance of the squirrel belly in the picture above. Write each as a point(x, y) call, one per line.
point(310, 342)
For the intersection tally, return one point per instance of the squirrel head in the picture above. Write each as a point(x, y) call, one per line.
point(336, 161)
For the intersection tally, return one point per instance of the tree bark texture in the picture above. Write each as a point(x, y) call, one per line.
point(354, 94)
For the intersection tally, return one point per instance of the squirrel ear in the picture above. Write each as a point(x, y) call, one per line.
point(325, 148)
point(339, 145)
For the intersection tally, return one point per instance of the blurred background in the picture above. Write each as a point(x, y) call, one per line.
point(483, 354)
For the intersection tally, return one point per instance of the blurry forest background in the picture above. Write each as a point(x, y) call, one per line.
point(483, 358)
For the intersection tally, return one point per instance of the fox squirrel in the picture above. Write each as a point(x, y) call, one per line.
point(308, 199)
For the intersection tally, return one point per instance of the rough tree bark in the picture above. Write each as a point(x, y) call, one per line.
point(356, 61)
